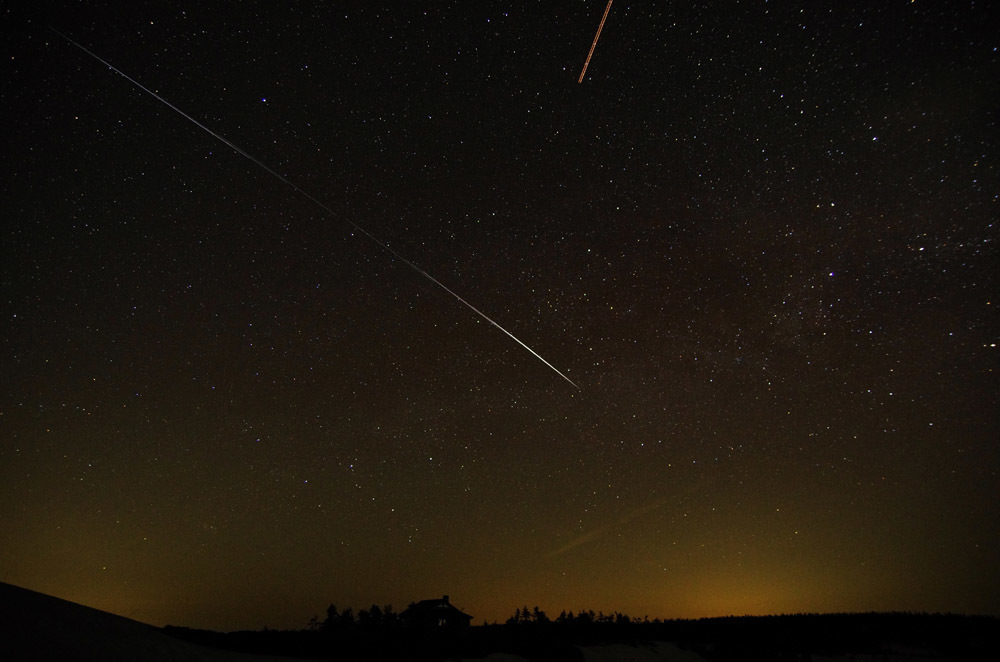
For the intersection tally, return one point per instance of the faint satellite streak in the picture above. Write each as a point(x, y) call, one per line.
point(601, 530)
point(315, 201)
point(594, 45)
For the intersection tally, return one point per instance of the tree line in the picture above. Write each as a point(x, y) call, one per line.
point(372, 618)
point(378, 633)
point(376, 617)
point(536, 616)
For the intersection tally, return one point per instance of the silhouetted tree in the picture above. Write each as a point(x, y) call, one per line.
point(390, 619)
point(346, 619)
point(332, 618)
point(370, 618)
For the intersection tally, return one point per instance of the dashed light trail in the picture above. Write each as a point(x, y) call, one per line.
point(594, 44)
point(314, 200)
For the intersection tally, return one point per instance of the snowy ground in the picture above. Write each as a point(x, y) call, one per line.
point(652, 652)
point(659, 651)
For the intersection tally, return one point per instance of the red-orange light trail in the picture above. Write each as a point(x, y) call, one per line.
point(596, 37)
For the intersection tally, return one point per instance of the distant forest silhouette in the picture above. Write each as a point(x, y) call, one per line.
point(379, 633)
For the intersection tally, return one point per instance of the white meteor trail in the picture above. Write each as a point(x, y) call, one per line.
point(315, 201)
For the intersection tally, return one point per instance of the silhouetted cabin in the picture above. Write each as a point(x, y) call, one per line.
point(437, 613)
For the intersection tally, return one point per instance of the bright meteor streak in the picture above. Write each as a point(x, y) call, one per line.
point(315, 201)
point(594, 45)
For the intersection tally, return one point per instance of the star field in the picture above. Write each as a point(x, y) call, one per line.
point(761, 238)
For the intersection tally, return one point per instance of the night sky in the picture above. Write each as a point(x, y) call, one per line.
point(761, 237)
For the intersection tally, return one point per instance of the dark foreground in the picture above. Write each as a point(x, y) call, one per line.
point(34, 626)
point(889, 637)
